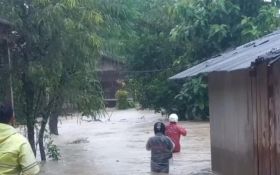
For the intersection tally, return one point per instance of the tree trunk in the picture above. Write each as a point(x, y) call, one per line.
point(41, 140)
point(31, 138)
point(53, 124)
point(29, 113)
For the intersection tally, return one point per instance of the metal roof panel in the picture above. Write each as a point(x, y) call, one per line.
point(240, 58)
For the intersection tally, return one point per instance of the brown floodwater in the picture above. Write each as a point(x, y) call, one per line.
point(117, 147)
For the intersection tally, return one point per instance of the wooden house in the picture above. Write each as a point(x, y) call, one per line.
point(244, 102)
point(110, 73)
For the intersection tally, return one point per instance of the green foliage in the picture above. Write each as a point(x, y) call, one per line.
point(53, 151)
point(152, 53)
point(172, 35)
point(55, 58)
point(192, 100)
point(265, 22)
point(204, 27)
point(122, 99)
point(157, 94)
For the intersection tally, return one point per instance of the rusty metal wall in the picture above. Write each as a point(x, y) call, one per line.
point(260, 104)
point(245, 121)
point(232, 128)
point(275, 118)
point(265, 100)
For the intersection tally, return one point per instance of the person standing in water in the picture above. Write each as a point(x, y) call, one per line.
point(175, 131)
point(161, 148)
point(16, 155)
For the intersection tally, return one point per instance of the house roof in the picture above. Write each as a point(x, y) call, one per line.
point(242, 57)
point(5, 25)
point(111, 59)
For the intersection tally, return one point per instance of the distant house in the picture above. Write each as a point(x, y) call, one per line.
point(5, 28)
point(244, 100)
point(111, 78)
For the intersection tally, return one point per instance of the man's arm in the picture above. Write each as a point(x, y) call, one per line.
point(27, 161)
point(182, 130)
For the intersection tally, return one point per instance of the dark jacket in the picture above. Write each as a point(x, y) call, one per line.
point(161, 148)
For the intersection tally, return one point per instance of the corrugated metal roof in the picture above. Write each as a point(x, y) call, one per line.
point(4, 22)
point(240, 58)
point(5, 25)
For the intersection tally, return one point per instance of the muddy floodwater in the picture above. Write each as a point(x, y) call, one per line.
point(117, 147)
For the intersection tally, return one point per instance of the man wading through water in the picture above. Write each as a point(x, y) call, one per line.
point(16, 155)
point(161, 148)
point(175, 131)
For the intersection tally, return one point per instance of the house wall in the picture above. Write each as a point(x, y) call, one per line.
point(108, 64)
point(109, 82)
point(263, 105)
point(260, 113)
point(275, 119)
point(232, 128)
point(245, 121)
point(109, 73)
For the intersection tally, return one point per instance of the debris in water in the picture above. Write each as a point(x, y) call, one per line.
point(203, 172)
point(80, 140)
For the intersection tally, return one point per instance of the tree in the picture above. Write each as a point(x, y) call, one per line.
point(150, 52)
point(55, 60)
point(174, 35)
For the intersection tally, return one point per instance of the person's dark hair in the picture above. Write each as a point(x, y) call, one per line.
point(6, 114)
point(159, 127)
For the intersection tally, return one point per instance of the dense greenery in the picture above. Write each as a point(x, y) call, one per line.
point(171, 36)
point(55, 59)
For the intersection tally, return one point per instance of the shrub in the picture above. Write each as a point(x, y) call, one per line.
point(122, 99)
point(192, 101)
point(53, 151)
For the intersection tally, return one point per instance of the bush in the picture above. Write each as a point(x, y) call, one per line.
point(187, 98)
point(53, 151)
point(192, 101)
point(122, 99)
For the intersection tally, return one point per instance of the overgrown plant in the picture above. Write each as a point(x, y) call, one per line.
point(122, 99)
point(53, 151)
point(192, 101)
